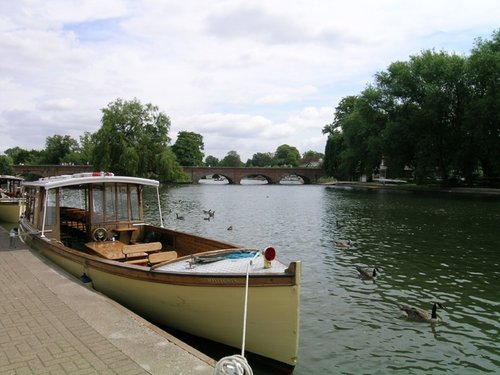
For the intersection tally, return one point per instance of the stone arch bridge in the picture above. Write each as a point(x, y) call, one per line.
point(48, 170)
point(272, 175)
point(234, 175)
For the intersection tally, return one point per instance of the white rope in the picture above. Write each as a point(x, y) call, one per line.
point(233, 365)
point(237, 364)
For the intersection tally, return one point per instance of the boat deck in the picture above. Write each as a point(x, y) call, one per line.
point(234, 262)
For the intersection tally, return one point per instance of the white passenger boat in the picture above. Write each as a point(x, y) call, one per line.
point(12, 202)
point(292, 180)
point(92, 225)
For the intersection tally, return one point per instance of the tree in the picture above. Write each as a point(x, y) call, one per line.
point(287, 155)
point(169, 169)
point(262, 159)
point(86, 147)
point(57, 147)
point(132, 139)
point(343, 109)
point(360, 120)
point(188, 148)
point(483, 114)
point(311, 157)
point(436, 113)
point(335, 147)
point(6, 164)
point(232, 159)
point(425, 99)
point(211, 161)
point(333, 150)
point(20, 156)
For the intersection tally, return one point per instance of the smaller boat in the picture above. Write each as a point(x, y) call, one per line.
point(12, 201)
point(292, 180)
point(214, 180)
point(389, 181)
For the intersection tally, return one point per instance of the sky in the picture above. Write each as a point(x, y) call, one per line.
point(248, 76)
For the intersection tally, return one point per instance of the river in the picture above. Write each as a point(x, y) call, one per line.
point(428, 247)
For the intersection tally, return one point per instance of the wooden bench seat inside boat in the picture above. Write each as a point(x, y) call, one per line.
point(139, 252)
point(164, 256)
point(125, 234)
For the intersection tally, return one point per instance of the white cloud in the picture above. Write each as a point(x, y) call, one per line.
point(247, 76)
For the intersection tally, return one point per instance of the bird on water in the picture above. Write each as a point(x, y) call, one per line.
point(343, 243)
point(368, 273)
point(422, 315)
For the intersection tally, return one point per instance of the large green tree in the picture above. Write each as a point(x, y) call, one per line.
point(483, 113)
point(57, 147)
point(358, 150)
point(232, 159)
point(426, 98)
point(133, 139)
point(262, 159)
point(22, 156)
point(311, 157)
point(436, 113)
point(86, 147)
point(6, 164)
point(287, 155)
point(188, 148)
point(211, 161)
point(332, 161)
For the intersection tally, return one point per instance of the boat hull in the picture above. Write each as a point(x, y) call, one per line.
point(11, 209)
point(210, 306)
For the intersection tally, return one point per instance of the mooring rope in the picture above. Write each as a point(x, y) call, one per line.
point(237, 364)
point(233, 365)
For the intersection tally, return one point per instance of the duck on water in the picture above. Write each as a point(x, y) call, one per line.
point(416, 313)
point(367, 273)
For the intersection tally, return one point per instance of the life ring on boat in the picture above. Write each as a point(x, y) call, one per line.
point(100, 234)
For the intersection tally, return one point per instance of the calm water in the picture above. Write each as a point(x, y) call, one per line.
point(427, 247)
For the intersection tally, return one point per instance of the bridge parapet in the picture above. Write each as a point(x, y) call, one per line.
point(234, 175)
point(48, 170)
point(273, 175)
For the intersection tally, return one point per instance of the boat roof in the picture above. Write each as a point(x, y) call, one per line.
point(9, 177)
point(88, 178)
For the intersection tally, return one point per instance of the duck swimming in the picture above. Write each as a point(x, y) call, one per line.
point(343, 243)
point(367, 273)
point(416, 313)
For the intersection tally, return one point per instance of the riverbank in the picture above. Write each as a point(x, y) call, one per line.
point(414, 188)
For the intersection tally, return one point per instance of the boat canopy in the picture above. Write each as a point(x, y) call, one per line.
point(80, 180)
point(88, 178)
point(9, 177)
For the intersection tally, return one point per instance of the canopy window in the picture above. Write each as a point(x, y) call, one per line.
point(115, 202)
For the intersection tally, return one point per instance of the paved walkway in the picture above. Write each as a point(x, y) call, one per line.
point(51, 324)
